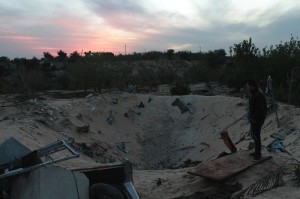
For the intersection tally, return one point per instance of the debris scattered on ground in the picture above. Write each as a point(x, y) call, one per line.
point(83, 129)
point(205, 144)
point(169, 142)
point(79, 116)
point(283, 132)
point(140, 105)
point(158, 182)
point(110, 118)
point(276, 144)
point(93, 150)
point(115, 101)
point(183, 108)
point(122, 146)
point(110, 159)
point(89, 95)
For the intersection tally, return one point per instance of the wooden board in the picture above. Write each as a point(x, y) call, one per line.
point(226, 166)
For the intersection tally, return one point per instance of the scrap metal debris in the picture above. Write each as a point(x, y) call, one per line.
point(92, 149)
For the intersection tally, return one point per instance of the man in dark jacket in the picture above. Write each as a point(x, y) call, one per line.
point(257, 115)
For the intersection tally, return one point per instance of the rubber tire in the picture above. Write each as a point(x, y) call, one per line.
point(102, 190)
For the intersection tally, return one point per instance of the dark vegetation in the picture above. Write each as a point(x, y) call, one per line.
point(104, 70)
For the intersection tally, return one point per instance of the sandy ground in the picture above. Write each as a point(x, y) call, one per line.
point(162, 143)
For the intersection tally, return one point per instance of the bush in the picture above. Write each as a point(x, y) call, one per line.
point(180, 87)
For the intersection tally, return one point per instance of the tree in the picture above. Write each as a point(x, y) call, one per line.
point(62, 56)
point(245, 50)
point(48, 56)
point(170, 53)
point(74, 56)
point(216, 58)
point(4, 65)
point(185, 55)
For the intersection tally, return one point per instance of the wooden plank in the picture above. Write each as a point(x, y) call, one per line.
point(227, 166)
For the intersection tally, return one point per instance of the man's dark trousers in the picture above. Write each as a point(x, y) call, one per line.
point(255, 132)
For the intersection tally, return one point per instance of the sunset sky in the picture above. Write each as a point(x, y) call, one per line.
point(29, 28)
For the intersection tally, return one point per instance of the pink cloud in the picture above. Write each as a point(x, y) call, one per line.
point(19, 38)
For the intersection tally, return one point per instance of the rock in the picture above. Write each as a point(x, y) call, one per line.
point(83, 129)
point(141, 105)
point(183, 108)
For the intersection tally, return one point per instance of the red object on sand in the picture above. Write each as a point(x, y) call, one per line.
point(227, 166)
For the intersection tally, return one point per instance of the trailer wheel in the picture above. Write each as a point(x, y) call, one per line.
point(104, 191)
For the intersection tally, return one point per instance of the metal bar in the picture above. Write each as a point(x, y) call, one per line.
point(22, 170)
point(66, 143)
point(51, 148)
point(60, 145)
point(131, 190)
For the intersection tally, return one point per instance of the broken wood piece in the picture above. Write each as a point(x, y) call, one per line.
point(227, 166)
point(228, 142)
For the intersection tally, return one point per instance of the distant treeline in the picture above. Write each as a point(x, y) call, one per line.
point(104, 70)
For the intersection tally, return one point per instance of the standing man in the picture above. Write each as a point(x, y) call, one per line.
point(257, 115)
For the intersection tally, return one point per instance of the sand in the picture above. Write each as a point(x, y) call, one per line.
point(161, 142)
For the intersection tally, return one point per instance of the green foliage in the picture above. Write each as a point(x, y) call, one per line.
point(165, 75)
point(185, 55)
point(152, 55)
point(180, 87)
point(216, 58)
point(2, 70)
point(244, 51)
point(202, 72)
point(98, 70)
point(86, 75)
point(145, 76)
point(30, 80)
